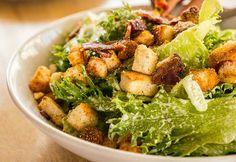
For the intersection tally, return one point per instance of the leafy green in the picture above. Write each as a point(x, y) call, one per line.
point(210, 9)
point(115, 24)
point(171, 126)
point(222, 90)
point(59, 57)
point(216, 37)
point(215, 149)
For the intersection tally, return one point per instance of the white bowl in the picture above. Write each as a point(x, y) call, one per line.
point(21, 67)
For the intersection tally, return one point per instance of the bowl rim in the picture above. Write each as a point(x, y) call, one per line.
point(50, 128)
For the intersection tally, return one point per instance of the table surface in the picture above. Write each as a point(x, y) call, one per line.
point(20, 140)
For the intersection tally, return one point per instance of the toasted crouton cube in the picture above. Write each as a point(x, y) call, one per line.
point(126, 146)
point(206, 78)
point(97, 67)
point(145, 37)
point(75, 72)
point(38, 95)
point(137, 83)
point(112, 62)
point(226, 52)
point(52, 109)
point(77, 57)
point(227, 72)
point(82, 116)
point(145, 60)
point(163, 33)
point(92, 134)
point(40, 80)
point(108, 143)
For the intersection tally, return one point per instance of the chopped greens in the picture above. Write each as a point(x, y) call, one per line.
point(116, 23)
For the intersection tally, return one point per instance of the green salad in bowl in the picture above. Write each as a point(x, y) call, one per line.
point(136, 81)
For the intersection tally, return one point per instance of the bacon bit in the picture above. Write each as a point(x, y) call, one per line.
point(168, 70)
point(75, 30)
point(128, 32)
point(172, 4)
point(196, 3)
point(105, 54)
point(154, 19)
point(191, 14)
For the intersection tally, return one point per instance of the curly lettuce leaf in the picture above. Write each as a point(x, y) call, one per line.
point(171, 126)
point(115, 25)
point(222, 90)
point(217, 37)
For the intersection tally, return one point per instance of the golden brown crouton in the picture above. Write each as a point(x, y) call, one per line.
point(226, 52)
point(97, 67)
point(227, 72)
point(92, 134)
point(145, 60)
point(206, 78)
point(82, 116)
point(145, 37)
point(40, 80)
point(52, 109)
point(126, 146)
point(163, 33)
point(112, 61)
point(109, 143)
point(75, 72)
point(77, 57)
point(38, 95)
point(137, 83)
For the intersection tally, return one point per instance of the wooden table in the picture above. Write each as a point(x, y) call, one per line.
point(20, 141)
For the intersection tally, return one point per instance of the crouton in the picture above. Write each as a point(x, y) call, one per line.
point(92, 134)
point(112, 62)
point(77, 57)
point(52, 109)
point(109, 143)
point(137, 83)
point(145, 60)
point(38, 95)
point(97, 67)
point(57, 76)
point(40, 80)
point(126, 146)
point(75, 72)
point(227, 72)
point(206, 78)
point(226, 52)
point(145, 37)
point(82, 116)
point(163, 33)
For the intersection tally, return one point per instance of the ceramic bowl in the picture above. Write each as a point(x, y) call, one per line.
point(21, 67)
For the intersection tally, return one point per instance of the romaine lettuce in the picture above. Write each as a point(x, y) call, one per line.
point(171, 126)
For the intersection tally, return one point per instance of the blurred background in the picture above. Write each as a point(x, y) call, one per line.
point(19, 140)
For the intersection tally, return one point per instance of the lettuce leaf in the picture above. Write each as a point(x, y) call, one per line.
point(171, 126)
point(222, 90)
point(210, 9)
point(215, 149)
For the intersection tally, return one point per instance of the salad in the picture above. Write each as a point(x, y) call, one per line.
point(136, 81)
